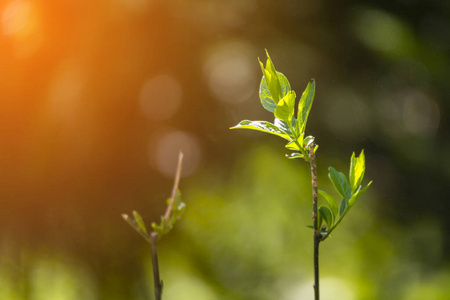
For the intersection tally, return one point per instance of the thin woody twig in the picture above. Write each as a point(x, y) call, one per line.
point(175, 186)
point(317, 238)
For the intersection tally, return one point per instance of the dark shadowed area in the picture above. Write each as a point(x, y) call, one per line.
point(98, 97)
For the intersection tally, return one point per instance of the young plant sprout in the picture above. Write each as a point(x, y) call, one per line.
point(277, 97)
point(175, 208)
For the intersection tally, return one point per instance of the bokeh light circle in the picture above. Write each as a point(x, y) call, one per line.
point(420, 114)
point(164, 149)
point(230, 71)
point(160, 97)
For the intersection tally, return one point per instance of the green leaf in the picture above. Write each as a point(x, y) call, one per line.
point(343, 207)
point(284, 83)
point(304, 106)
point(315, 148)
point(285, 108)
point(264, 127)
point(327, 215)
point(160, 229)
point(178, 209)
point(331, 202)
point(358, 194)
point(319, 220)
point(296, 145)
point(269, 64)
point(271, 80)
point(307, 141)
point(274, 85)
point(293, 146)
point(284, 126)
point(139, 221)
point(266, 97)
point(295, 155)
point(357, 169)
point(340, 183)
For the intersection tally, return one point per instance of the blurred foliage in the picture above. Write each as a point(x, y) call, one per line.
point(97, 98)
point(248, 240)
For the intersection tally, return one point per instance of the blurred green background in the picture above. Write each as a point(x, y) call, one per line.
point(98, 97)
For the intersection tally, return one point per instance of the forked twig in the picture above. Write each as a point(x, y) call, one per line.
point(152, 237)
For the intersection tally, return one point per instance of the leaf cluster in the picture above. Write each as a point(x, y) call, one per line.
point(161, 229)
point(177, 211)
point(350, 189)
point(277, 97)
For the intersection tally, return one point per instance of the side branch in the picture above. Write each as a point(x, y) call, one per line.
point(317, 238)
point(175, 187)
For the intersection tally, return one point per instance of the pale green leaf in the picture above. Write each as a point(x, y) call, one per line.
point(358, 194)
point(304, 105)
point(269, 64)
point(265, 96)
point(284, 83)
point(315, 148)
point(274, 85)
point(357, 169)
point(295, 155)
point(139, 221)
point(285, 108)
point(293, 146)
point(296, 145)
point(284, 126)
point(264, 127)
point(271, 79)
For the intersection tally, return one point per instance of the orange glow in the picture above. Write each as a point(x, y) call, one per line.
point(21, 21)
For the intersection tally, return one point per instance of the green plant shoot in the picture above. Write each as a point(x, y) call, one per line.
point(350, 191)
point(277, 97)
point(175, 208)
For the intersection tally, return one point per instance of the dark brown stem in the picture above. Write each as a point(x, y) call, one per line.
point(152, 239)
point(156, 278)
point(317, 239)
